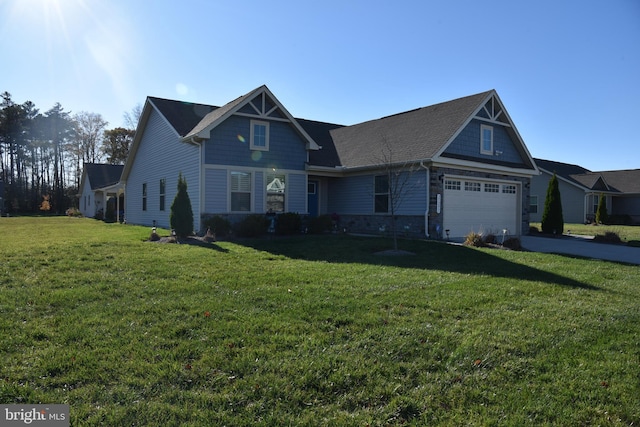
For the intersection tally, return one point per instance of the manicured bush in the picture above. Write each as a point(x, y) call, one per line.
point(552, 220)
point(288, 223)
point(602, 217)
point(252, 226)
point(513, 243)
point(218, 225)
point(608, 237)
point(181, 217)
point(489, 238)
point(320, 224)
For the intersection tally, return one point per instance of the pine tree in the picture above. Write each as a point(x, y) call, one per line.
point(552, 221)
point(181, 217)
point(602, 216)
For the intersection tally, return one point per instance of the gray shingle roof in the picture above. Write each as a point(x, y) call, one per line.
point(321, 134)
point(413, 135)
point(217, 113)
point(622, 181)
point(103, 175)
point(182, 116)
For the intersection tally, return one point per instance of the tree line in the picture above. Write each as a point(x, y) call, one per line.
point(42, 155)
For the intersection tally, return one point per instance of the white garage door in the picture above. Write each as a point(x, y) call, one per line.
point(480, 206)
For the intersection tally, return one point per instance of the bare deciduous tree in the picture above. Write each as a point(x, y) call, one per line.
point(393, 185)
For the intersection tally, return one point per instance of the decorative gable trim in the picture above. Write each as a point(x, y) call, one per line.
point(491, 110)
point(257, 104)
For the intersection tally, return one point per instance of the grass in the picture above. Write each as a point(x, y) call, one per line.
point(311, 330)
point(629, 234)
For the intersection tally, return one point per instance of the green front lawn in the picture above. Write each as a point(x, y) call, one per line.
point(311, 330)
point(627, 233)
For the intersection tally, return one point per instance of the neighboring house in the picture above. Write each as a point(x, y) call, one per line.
point(99, 183)
point(467, 167)
point(580, 191)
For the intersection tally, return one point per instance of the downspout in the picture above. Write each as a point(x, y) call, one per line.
point(426, 212)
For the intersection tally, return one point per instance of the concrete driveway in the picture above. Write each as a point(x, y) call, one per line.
point(581, 246)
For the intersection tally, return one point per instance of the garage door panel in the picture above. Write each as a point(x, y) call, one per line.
point(480, 211)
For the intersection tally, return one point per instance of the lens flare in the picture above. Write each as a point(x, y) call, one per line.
point(240, 138)
point(256, 155)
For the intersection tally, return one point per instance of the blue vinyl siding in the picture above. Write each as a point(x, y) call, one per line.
point(467, 144)
point(215, 197)
point(355, 196)
point(161, 155)
point(230, 145)
point(259, 190)
point(351, 195)
point(297, 193)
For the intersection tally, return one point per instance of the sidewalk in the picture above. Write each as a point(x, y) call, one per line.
point(581, 246)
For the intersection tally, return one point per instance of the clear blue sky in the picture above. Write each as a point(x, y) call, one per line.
point(568, 71)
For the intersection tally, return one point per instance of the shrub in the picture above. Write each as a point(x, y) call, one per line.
point(602, 217)
point(181, 217)
point(288, 223)
point(252, 226)
point(73, 212)
point(513, 243)
point(220, 226)
point(320, 224)
point(552, 221)
point(489, 238)
point(608, 237)
point(474, 239)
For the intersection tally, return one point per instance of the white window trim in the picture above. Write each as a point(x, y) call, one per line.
point(286, 190)
point(251, 190)
point(482, 129)
point(266, 142)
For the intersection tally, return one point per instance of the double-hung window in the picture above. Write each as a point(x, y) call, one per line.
point(259, 135)
point(486, 140)
point(240, 191)
point(381, 194)
point(533, 204)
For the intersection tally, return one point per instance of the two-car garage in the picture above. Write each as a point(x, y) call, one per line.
point(483, 206)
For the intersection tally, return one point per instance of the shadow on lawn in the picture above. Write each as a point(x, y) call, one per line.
point(427, 255)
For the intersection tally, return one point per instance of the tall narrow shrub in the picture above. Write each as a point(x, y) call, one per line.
point(181, 217)
point(602, 216)
point(552, 221)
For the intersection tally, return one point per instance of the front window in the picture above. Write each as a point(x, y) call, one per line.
point(533, 204)
point(163, 185)
point(259, 135)
point(381, 194)
point(486, 139)
point(275, 192)
point(144, 196)
point(240, 191)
